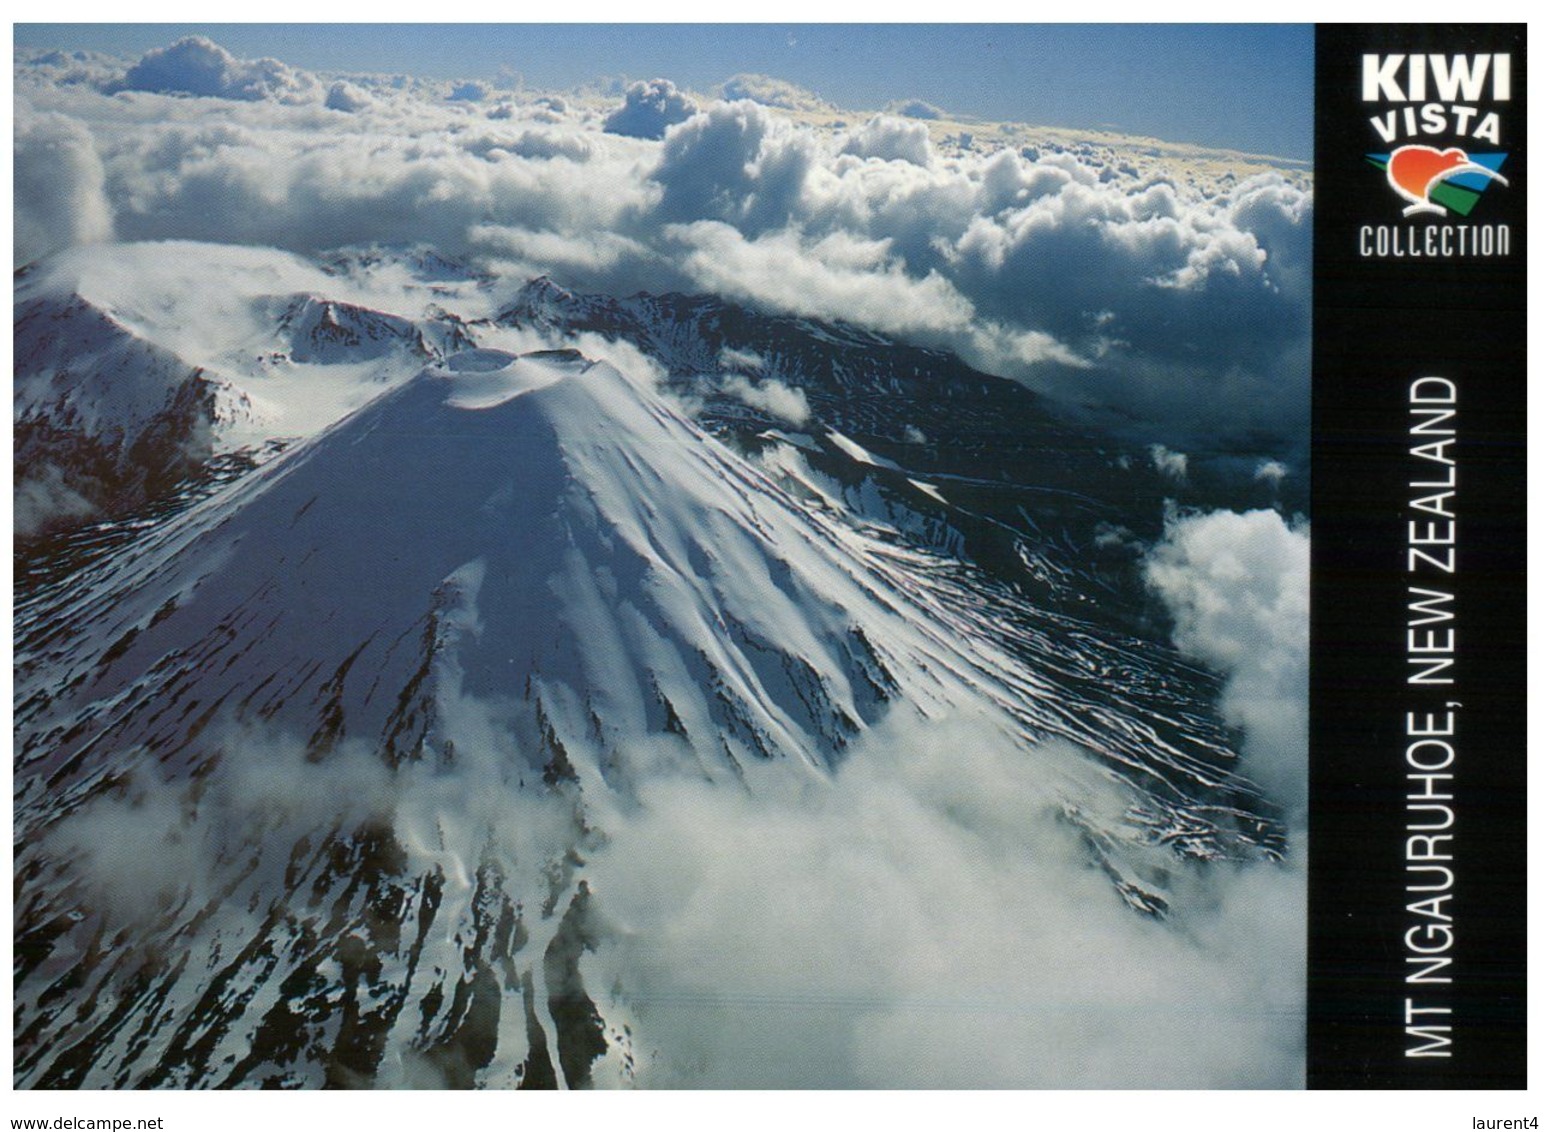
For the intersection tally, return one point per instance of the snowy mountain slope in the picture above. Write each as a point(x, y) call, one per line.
point(322, 330)
point(283, 348)
point(100, 414)
point(390, 692)
point(923, 408)
point(136, 364)
point(1014, 482)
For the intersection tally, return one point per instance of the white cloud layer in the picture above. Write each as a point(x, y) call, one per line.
point(1183, 306)
point(926, 920)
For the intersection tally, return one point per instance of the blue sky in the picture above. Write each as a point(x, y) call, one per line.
point(1238, 86)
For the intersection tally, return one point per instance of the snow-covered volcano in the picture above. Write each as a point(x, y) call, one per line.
point(559, 532)
point(353, 727)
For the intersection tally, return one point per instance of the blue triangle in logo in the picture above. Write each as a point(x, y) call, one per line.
point(1478, 181)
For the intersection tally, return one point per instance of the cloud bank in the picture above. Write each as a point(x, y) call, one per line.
point(1180, 304)
point(927, 921)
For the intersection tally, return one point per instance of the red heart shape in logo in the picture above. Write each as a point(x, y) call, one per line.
point(1413, 167)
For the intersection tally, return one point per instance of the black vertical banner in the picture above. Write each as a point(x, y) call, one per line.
point(1417, 918)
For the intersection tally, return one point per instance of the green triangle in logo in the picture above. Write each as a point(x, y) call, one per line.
point(1461, 201)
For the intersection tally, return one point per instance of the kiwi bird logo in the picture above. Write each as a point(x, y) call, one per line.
point(1439, 180)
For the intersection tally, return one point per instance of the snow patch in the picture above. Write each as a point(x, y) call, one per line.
point(858, 453)
point(928, 489)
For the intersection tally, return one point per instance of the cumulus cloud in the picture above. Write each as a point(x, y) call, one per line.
point(1237, 586)
point(891, 139)
point(649, 109)
point(196, 66)
point(69, 68)
point(346, 96)
point(1164, 291)
point(735, 163)
point(289, 183)
point(549, 143)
